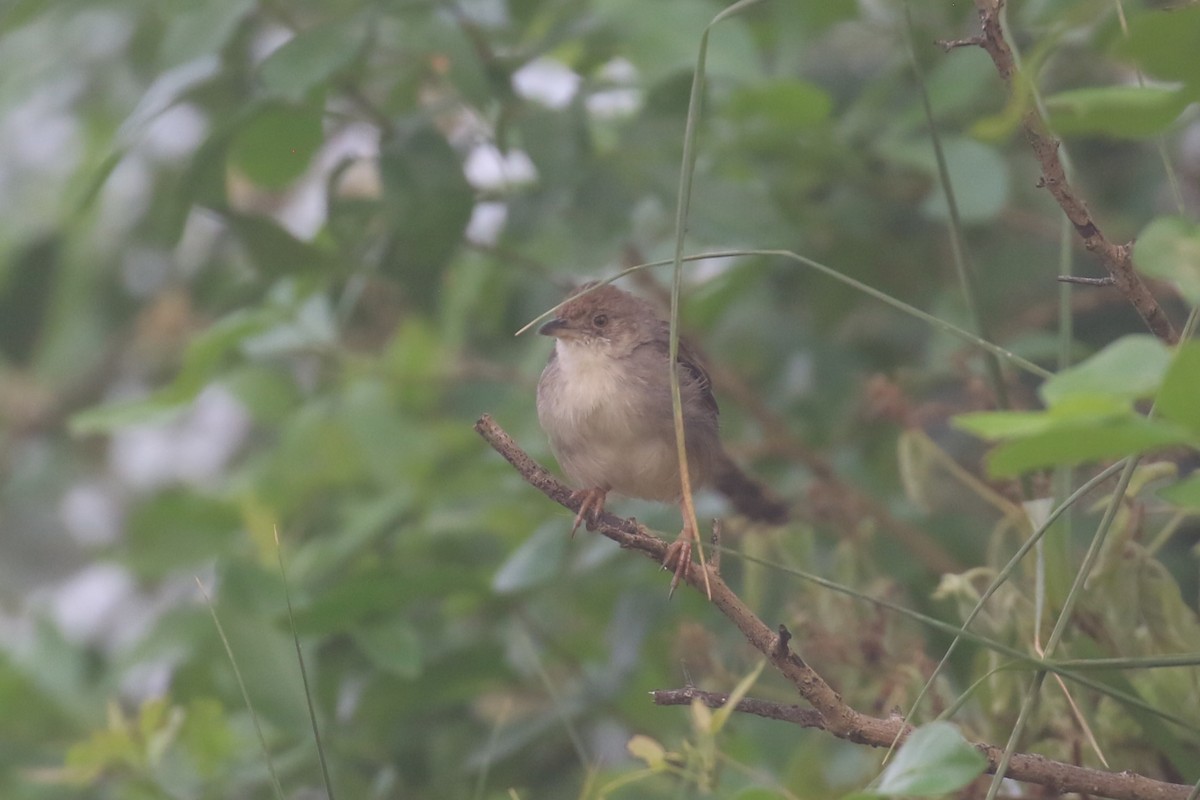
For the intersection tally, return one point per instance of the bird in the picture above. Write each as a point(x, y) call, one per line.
point(604, 401)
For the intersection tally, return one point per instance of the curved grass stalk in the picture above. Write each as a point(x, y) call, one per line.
point(1019, 657)
point(237, 674)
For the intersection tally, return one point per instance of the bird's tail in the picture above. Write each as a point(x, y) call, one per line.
point(749, 497)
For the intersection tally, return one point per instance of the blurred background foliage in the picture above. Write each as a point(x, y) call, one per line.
point(260, 267)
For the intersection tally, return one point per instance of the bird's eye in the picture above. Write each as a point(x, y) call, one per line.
point(600, 320)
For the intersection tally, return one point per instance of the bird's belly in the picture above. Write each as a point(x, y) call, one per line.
point(606, 433)
point(618, 449)
point(633, 466)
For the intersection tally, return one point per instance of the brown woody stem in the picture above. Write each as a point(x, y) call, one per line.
point(829, 712)
point(1117, 259)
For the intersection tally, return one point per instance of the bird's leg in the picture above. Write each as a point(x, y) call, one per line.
point(679, 553)
point(591, 506)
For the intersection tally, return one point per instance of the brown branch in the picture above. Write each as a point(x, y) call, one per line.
point(1117, 259)
point(832, 714)
point(954, 44)
point(796, 715)
point(1062, 777)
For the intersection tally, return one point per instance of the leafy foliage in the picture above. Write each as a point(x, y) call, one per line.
point(260, 264)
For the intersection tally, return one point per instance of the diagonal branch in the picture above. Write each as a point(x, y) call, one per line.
point(1117, 259)
point(831, 713)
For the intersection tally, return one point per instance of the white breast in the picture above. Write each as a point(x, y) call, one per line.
point(591, 379)
point(599, 432)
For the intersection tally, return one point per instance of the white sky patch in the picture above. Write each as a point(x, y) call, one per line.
point(90, 604)
point(192, 449)
point(618, 95)
point(487, 223)
point(269, 40)
point(306, 211)
point(618, 70)
point(546, 81)
point(610, 103)
point(164, 93)
point(1189, 146)
point(124, 198)
point(201, 233)
point(92, 514)
point(42, 132)
point(488, 168)
point(175, 133)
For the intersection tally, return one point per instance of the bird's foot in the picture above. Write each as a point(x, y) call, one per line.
point(591, 506)
point(678, 558)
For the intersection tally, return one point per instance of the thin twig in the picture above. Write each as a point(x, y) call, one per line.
point(796, 715)
point(1117, 259)
point(1082, 281)
point(954, 44)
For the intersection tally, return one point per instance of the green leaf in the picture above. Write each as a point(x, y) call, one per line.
point(429, 204)
point(1151, 729)
point(1169, 248)
point(934, 760)
point(106, 750)
point(759, 793)
point(27, 291)
point(273, 249)
point(177, 529)
point(209, 350)
point(200, 28)
point(275, 146)
point(393, 647)
point(660, 39)
point(648, 750)
point(993, 425)
point(343, 607)
point(202, 183)
point(1076, 444)
point(537, 560)
point(1131, 367)
point(1127, 112)
point(1184, 494)
point(314, 56)
point(266, 391)
point(1165, 43)
point(778, 108)
point(265, 656)
point(157, 407)
point(20, 12)
point(207, 735)
point(97, 179)
point(1179, 397)
point(304, 324)
point(206, 354)
point(979, 177)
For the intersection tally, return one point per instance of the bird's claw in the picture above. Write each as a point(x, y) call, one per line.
point(678, 558)
point(591, 506)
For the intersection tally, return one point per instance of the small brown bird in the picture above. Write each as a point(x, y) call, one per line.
point(604, 399)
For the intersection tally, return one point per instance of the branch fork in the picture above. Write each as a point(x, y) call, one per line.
point(828, 711)
point(1117, 259)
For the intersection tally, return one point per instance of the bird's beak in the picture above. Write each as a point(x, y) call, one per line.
point(555, 327)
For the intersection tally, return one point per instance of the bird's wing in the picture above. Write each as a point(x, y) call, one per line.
point(691, 361)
